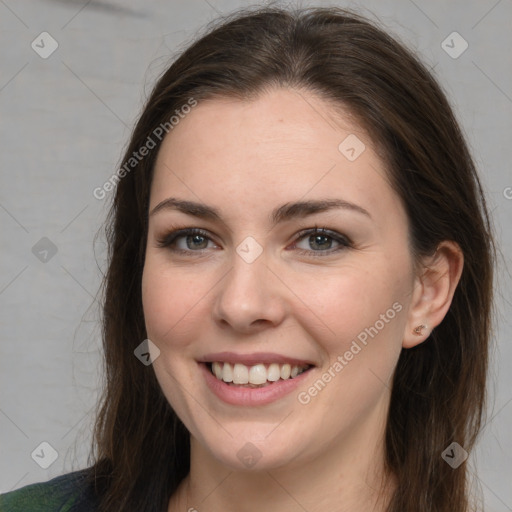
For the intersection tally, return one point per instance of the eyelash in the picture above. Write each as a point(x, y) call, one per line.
point(168, 239)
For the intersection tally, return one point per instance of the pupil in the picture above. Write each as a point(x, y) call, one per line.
point(196, 239)
point(321, 240)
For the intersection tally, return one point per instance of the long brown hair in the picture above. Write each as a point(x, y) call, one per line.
point(141, 448)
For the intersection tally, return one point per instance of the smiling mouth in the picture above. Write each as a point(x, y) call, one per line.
point(255, 376)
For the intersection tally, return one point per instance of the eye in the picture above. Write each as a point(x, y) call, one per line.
point(185, 240)
point(321, 242)
point(317, 241)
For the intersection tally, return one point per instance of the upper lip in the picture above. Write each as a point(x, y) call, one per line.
point(253, 359)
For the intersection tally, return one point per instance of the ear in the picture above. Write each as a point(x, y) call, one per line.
point(433, 291)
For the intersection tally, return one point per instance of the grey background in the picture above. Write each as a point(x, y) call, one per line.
point(64, 122)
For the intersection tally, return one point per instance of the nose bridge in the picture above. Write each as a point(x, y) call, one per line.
point(249, 293)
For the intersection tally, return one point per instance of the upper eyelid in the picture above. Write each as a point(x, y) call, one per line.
point(183, 232)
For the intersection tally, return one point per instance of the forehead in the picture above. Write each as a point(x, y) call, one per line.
point(283, 146)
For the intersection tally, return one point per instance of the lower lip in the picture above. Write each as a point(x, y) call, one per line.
point(237, 395)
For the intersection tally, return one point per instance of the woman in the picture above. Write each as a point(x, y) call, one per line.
point(297, 305)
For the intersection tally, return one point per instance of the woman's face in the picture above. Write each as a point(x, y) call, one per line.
point(257, 294)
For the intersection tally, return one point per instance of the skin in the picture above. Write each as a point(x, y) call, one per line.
point(245, 159)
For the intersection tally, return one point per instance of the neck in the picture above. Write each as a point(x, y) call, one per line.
point(344, 480)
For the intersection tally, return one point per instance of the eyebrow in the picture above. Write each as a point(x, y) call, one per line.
point(283, 213)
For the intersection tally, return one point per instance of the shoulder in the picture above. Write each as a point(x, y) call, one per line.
point(66, 493)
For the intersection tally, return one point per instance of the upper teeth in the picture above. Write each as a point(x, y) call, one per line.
point(257, 374)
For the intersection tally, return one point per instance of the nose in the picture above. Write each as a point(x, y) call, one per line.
point(250, 298)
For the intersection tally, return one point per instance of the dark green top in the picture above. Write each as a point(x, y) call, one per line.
point(67, 493)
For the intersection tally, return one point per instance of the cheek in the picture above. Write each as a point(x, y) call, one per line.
point(170, 301)
point(362, 313)
point(345, 304)
point(357, 318)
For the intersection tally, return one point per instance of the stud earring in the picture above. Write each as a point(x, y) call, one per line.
point(418, 331)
